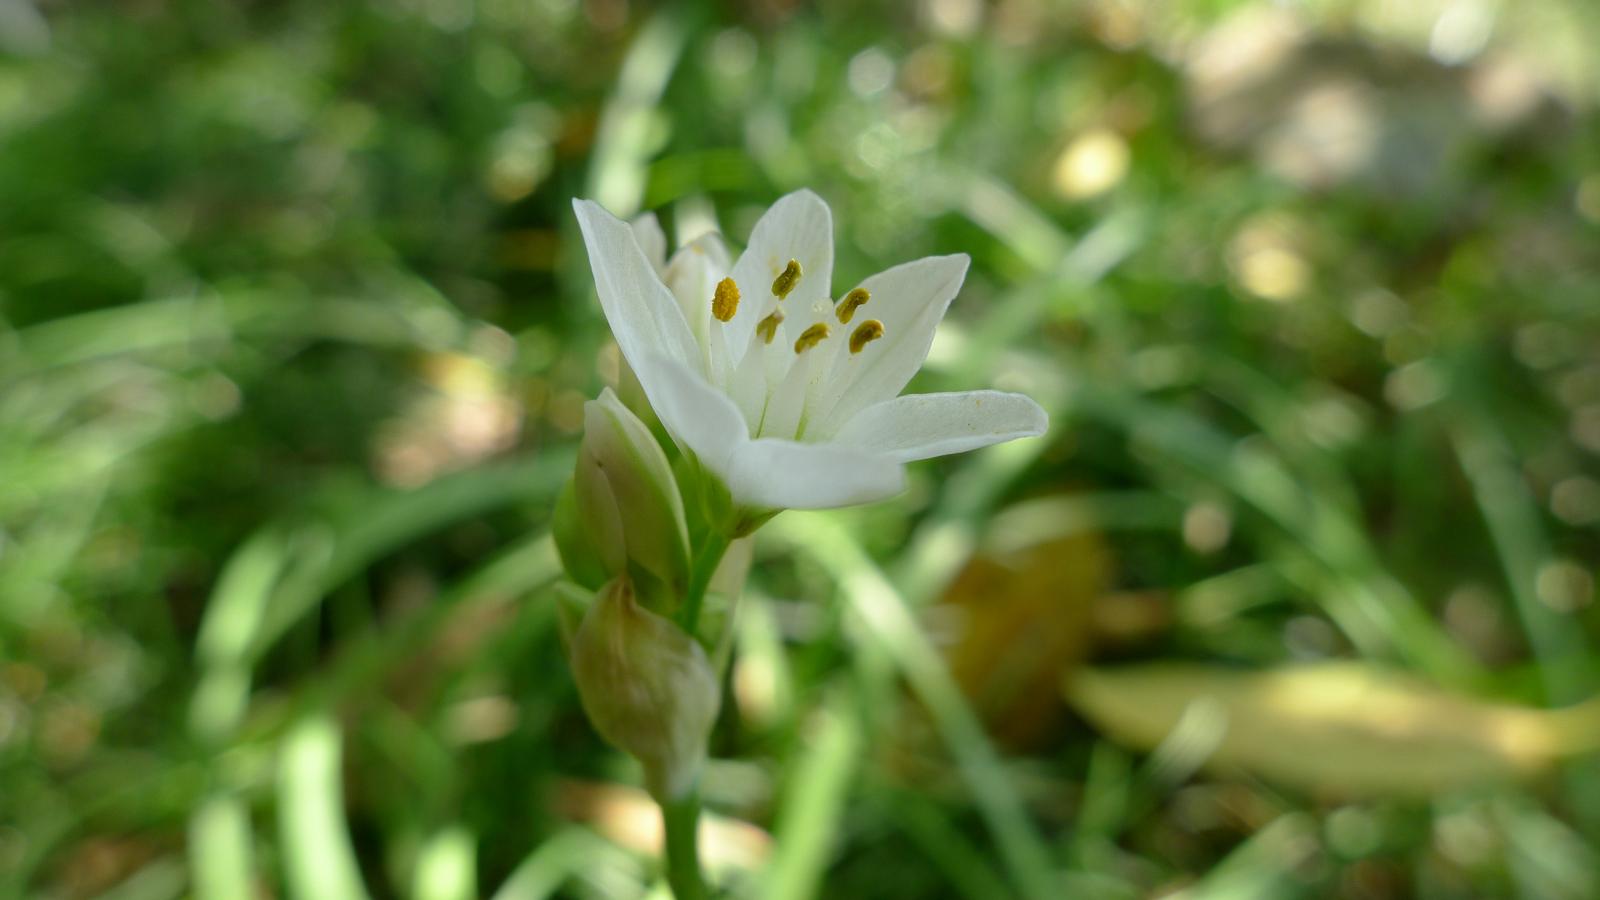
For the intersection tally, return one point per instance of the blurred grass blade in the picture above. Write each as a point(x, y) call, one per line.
point(1263, 866)
point(232, 619)
point(518, 572)
point(1033, 236)
point(1517, 531)
point(762, 679)
point(1341, 728)
point(211, 326)
point(162, 879)
point(1104, 808)
point(890, 623)
point(319, 860)
point(1373, 608)
point(966, 867)
point(617, 169)
point(220, 850)
point(812, 815)
point(233, 614)
point(1064, 287)
point(567, 854)
point(947, 537)
point(286, 568)
point(1548, 858)
point(446, 867)
point(147, 325)
point(370, 525)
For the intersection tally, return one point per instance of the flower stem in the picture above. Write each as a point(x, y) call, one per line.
point(700, 572)
point(681, 819)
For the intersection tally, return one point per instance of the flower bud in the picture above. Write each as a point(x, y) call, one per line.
point(579, 557)
point(647, 688)
point(626, 496)
point(631, 392)
point(572, 604)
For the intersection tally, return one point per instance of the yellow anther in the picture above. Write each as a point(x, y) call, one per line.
point(865, 333)
point(787, 279)
point(725, 302)
point(811, 337)
point(851, 302)
point(768, 327)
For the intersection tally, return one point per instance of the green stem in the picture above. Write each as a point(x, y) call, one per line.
point(700, 572)
point(681, 819)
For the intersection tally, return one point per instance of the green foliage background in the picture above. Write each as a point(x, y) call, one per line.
point(295, 331)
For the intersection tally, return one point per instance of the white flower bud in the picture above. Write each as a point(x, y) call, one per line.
point(647, 688)
point(579, 557)
point(627, 497)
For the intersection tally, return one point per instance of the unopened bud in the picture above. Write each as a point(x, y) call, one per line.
point(627, 498)
point(579, 556)
point(631, 392)
point(647, 688)
point(572, 605)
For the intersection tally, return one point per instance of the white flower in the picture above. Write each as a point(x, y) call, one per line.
point(791, 399)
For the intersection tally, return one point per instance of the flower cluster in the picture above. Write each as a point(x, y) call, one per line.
point(774, 396)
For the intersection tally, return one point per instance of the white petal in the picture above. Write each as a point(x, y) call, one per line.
point(747, 383)
point(909, 300)
point(700, 418)
point(651, 239)
point(799, 227)
point(919, 426)
point(771, 473)
point(643, 314)
point(692, 276)
point(711, 245)
point(786, 402)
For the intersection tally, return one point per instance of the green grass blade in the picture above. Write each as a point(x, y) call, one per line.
point(813, 810)
point(890, 623)
point(318, 857)
point(220, 854)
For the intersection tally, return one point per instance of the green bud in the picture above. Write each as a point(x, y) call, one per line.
point(572, 604)
point(626, 496)
point(579, 557)
point(631, 392)
point(647, 688)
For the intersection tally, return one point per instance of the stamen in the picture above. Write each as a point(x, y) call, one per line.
point(852, 302)
point(865, 333)
point(725, 302)
point(787, 279)
point(811, 337)
point(768, 327)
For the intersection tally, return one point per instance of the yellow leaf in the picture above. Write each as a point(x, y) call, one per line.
point(1339, 728)
point(1020, 622)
